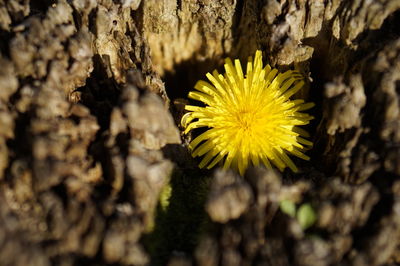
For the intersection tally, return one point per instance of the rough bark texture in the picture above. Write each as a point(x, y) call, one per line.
point(92, 169)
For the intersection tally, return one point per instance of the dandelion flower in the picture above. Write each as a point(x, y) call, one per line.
point(250, 118)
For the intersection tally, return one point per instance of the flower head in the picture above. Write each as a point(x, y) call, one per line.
point(249, 118)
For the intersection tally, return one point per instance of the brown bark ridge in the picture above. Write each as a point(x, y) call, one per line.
point(92, 166)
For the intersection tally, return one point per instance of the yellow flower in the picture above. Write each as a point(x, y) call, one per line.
point(250, 119)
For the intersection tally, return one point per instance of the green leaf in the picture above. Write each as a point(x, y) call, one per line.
point(288, 207)
point(306, 216)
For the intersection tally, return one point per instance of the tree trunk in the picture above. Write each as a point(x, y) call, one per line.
point(94, 169)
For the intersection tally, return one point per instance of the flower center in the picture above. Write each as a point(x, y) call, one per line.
point(246, 120)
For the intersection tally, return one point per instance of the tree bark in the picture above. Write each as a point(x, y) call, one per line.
point(94, 169)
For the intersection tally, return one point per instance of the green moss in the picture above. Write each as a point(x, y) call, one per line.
point(180, 216)
point(165, 196)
